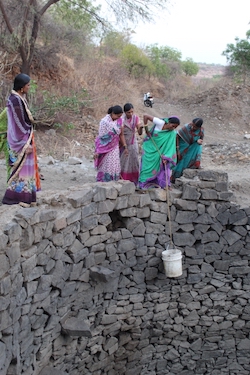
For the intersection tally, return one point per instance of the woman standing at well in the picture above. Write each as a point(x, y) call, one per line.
point(24, 178)
point(189, 142)
point(107, 154)
point(130, 159)
point(158, 152)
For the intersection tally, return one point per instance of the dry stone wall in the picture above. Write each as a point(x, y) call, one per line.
point(83, 287)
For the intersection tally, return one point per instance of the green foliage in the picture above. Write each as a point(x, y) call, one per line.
point(74, 27)
point(114, 42)
point(164, 53)
point(78, 14)
point(135, 61)
point(189, 67)
point(170, 54)
point(47, 107)
point(217, 76)
point(64, 127)
point(165, 60)
point(160, 69)
point(238, 56)
point(21, 22)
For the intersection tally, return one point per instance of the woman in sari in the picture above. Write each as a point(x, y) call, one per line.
point(24, 178)
point(158, 152)
point(189, 141)
point(130, 161)
point(107, 154)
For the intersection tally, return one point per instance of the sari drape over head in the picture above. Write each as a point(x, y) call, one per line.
point(190, 150)
point(158, 147)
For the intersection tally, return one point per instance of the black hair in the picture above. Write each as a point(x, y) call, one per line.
point(197, 122)
point(20, 81)
point(127, 107)
point(174, 120)
point(116, 109)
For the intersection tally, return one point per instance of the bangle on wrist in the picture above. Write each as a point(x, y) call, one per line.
point(125, 146)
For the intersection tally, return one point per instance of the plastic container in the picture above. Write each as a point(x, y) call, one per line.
point(172, 260)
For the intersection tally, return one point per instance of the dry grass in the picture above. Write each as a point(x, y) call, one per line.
point(107, 84)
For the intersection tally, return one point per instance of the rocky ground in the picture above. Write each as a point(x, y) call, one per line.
point(67, 161)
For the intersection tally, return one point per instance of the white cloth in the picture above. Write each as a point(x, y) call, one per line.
point(159, 123)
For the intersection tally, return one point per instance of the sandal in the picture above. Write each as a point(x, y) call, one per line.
point(23, 204)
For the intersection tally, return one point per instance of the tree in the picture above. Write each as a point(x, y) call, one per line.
point(238, 56)
point(135, 61)
point(170, 54)
point(24, 29)
point(76, 13)
point(164, 53)
point(189, 67)
point(166, 60)
point(25, 33)
point(74, 28)
point(114, 42)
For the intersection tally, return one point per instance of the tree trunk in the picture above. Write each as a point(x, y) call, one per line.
point(26, 47)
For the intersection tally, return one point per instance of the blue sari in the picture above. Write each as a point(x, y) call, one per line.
point(189, 150)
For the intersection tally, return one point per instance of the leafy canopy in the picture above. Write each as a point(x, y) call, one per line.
point(189, 67)
point(135, 61)
point(114, 42)
point(78, 14)
point(238, 55)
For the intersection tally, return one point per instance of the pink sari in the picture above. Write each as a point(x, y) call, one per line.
point(130, 163)
point(107, 161)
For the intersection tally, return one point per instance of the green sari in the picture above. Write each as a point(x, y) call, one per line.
point(158, 158)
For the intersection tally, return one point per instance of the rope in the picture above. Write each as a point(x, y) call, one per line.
point(169, 216)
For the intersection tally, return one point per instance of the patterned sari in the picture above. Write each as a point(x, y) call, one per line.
point(190, 150)
point(158, 147)
point(107, 161)
point(130, 162)
point(24, 178)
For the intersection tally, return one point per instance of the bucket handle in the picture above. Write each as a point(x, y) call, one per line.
point(170, 243)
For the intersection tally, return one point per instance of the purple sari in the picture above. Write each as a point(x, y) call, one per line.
point(21, 184)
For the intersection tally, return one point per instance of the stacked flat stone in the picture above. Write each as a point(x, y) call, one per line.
point(83, 287)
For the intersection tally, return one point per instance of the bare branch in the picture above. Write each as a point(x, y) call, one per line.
point(87, 10)
point(5, 17)
point(46, 6)
point(132, 10)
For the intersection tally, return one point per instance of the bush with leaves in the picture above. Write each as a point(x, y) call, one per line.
point(238, 56)
point(50, 109)
point(113, 43)
point(166, 60)
point(136, 62)
point(189, 67)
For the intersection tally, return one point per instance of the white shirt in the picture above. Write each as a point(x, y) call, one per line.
point(159, 123)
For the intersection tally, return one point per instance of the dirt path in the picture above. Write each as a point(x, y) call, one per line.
point(225, 149)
